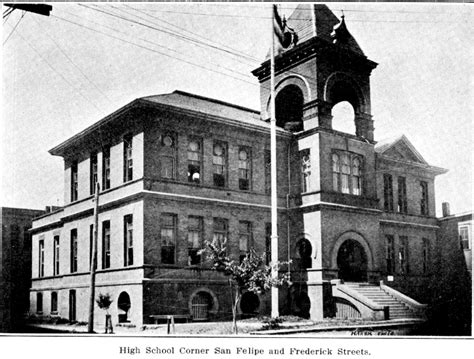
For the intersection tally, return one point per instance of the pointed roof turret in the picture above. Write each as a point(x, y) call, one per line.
point(321, 22)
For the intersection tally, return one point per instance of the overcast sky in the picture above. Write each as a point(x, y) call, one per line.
point(65, 72)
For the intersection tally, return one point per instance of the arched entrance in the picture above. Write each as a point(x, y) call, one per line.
point(289, 108)
point(304, 249)
point(123, 304)
point(352, 262)
point(201, 304)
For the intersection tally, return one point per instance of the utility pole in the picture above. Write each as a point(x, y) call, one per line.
point(90, 327)
point(41, 9)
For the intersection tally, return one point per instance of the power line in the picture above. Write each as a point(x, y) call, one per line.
point(14, 28)
point(238, 53)
point(181, 37)
point(55, 71)
point(153, 50)
point(295, 19)
point(73, 63)
point(171, 33)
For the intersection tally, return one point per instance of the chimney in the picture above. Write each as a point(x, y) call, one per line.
point(445, 207)
point(48, 209)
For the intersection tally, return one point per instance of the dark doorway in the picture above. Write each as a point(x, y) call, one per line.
point(249, 304)
point(352, 262)
point(289, 108)
point(123, 305)
point(72, 305)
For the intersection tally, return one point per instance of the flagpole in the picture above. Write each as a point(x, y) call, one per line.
point(274, 229)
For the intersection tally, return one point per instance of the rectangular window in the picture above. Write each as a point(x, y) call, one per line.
point(347, 172)
point(356, 185)
point(268, 171)
point(424, 198)
point(245, 161)
point(403, 255)
point(127, 158)
point(168, 156)
point(426, 255)
point(387, 192)
point(39, 302)
point(128, 240)
point(464, 237)
point(402, 195)
point(194, 239)
point(305, 170)
point(54, 302)
point(245, 238)
point(93, 172)
point(390, 254)
point(56, 255)
point(268, 243)
point(219, 164)
point(168, 238)
point(73, 250)
point(105, 244)
point(194, 160)
point(74, 182)
point(220, 230)
point(41, 259)
point(106, 168)
point(336, 171)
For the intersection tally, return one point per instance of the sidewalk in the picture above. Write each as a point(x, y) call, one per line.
point(329, 328)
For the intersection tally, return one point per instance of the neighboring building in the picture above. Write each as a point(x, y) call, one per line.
point(178, 169)
point(456, 230)
point(15, 266)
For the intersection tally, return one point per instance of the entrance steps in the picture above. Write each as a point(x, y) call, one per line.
point(375, 301)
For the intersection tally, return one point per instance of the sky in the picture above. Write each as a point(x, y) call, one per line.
point(65, 72)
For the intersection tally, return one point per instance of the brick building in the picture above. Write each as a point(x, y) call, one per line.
point(15, 266)
point(178, 169)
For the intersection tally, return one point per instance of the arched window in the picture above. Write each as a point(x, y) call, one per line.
point(168, 151)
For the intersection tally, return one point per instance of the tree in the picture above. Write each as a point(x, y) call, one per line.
point(251, 274)
point(104, 301)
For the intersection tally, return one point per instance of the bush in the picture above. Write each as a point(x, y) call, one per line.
point(271, 323)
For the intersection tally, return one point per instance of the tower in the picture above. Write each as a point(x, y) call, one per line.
point(333, 215)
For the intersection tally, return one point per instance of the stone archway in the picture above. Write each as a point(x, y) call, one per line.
point(341, 87)
point(352, 262)
point(203, 304)
point(289, 108)
point(361, 252)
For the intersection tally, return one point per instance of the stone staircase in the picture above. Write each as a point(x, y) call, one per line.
point(371, 301)
point(397, 308)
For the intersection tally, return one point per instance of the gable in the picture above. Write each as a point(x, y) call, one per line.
point(399, 149)
point(402, 152)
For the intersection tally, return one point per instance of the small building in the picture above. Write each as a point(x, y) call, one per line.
point(15, 266)
point(456, 229)
point(355, 217)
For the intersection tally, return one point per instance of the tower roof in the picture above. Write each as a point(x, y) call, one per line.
point(322, 23)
